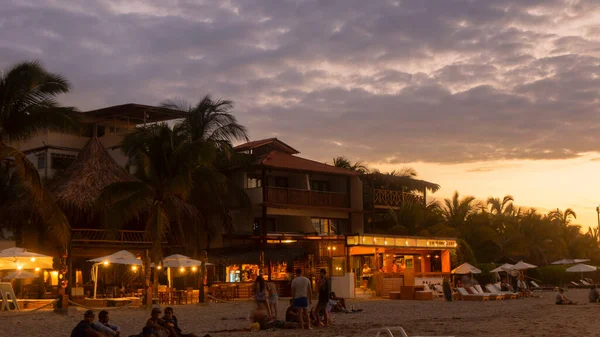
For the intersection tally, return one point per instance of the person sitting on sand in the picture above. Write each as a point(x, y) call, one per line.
point(291, 315)
point(340, 306)
point(260, 316)
point(156, 327)
point(561, 298)
point(84, 328)
point(171, 322)
point(104, 327)
point(594, 295)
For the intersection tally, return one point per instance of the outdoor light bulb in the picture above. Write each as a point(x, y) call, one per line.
point(33, 259)
point(159, 267)
point(333, 248)
point(19, 267)
point(134, 268)
point(182, 269)
point(406, 242)
point(106, 263)
point(437, 256)
point(37, 269)
point(385, 242)
point(328, 248)
point(194, 268)
point(428, 255)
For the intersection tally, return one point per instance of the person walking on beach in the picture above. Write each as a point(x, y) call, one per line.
point(302, 295)
point(594, 295)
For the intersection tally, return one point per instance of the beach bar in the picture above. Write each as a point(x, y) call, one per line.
point(398, 262)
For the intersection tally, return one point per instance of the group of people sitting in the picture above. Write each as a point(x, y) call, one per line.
point(167, 326)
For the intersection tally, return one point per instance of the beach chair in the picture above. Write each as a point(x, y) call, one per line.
point(493, 296)
point(575, 284)
point(395, 331)
point(507, 294)
point(585, 283)
point(465, 296)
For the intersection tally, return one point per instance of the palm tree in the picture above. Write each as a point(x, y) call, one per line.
point(165, 165)
point(210, 121)
point(28, 105)
point(456, 211)
point(344, 162)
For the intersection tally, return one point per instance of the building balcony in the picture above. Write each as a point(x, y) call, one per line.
point(389, 198)
point(103, 237)
point(298, 197)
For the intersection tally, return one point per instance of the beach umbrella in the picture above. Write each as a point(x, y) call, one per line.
point(570, 261)
point(466, 268)
point(523, 265)
point(581, 268)
point(19, 274)
point(21, 258)
point(180, 261)
point(120, 257)
point(505, 267)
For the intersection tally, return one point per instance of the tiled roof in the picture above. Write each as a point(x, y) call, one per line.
point(262, 142)
point(281, 160)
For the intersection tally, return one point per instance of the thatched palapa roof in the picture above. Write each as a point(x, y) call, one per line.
point(78, 187)
point(398, 182)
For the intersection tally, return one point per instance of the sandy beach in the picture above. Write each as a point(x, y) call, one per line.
point(524, 317)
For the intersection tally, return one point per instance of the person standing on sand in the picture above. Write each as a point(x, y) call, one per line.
point(273, 298)
point(594, 295)
point(260, 294)
point(302, 295)
point(324, 297)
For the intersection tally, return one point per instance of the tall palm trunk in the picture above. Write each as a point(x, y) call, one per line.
point(147, 276)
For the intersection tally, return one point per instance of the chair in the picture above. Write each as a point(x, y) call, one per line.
point(465, 296)
point(493, 296)
point(189, 292)
point(395, 331)
point(585, 283)
point(508, 295)
point(174, 296)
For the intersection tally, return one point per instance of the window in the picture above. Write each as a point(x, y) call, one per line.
point(329, 226)
point(269, 222)
point(41, 160)
point(319, 185)
point(60, 161)
point(281, 182)
point(254, 182)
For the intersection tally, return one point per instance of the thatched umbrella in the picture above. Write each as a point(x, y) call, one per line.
point(78, 187)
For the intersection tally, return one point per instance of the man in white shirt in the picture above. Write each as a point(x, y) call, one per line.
point(302, 297)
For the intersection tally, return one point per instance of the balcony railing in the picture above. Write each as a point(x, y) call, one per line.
point(291, 196)
point(102, 236)
point(395, 198)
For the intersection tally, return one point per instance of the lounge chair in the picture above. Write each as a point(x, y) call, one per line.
point(508, 295)
point(574, 284)
point(585, 283)
point(493, 296)
point(395, 331)
point(465, 296)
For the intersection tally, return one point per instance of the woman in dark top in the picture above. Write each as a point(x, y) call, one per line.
point(170, 321)
point(260, 294)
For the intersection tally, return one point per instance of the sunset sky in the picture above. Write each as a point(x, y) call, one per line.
point(488, 97)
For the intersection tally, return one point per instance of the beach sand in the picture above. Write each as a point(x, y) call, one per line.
point(523, 317)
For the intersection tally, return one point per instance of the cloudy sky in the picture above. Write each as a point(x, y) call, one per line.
point(487, 97)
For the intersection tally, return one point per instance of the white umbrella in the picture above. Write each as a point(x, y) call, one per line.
point(19, 274)
point(120, 257)
point(21, 258)
point(180, 261)
point(523, 265)
point(570, 261)
point(581, 268)
point(507, 267)
point(466, 268)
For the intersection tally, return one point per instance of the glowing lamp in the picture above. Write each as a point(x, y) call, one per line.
point(19, 267)
point(182, 269)
point(32, 259)
point(134, 268)
point(37, 269)
point(106, 263)
point(194, 268)
point(159, 267)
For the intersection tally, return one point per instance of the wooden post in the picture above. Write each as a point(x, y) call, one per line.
point(201, 295)
point(146, 265)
